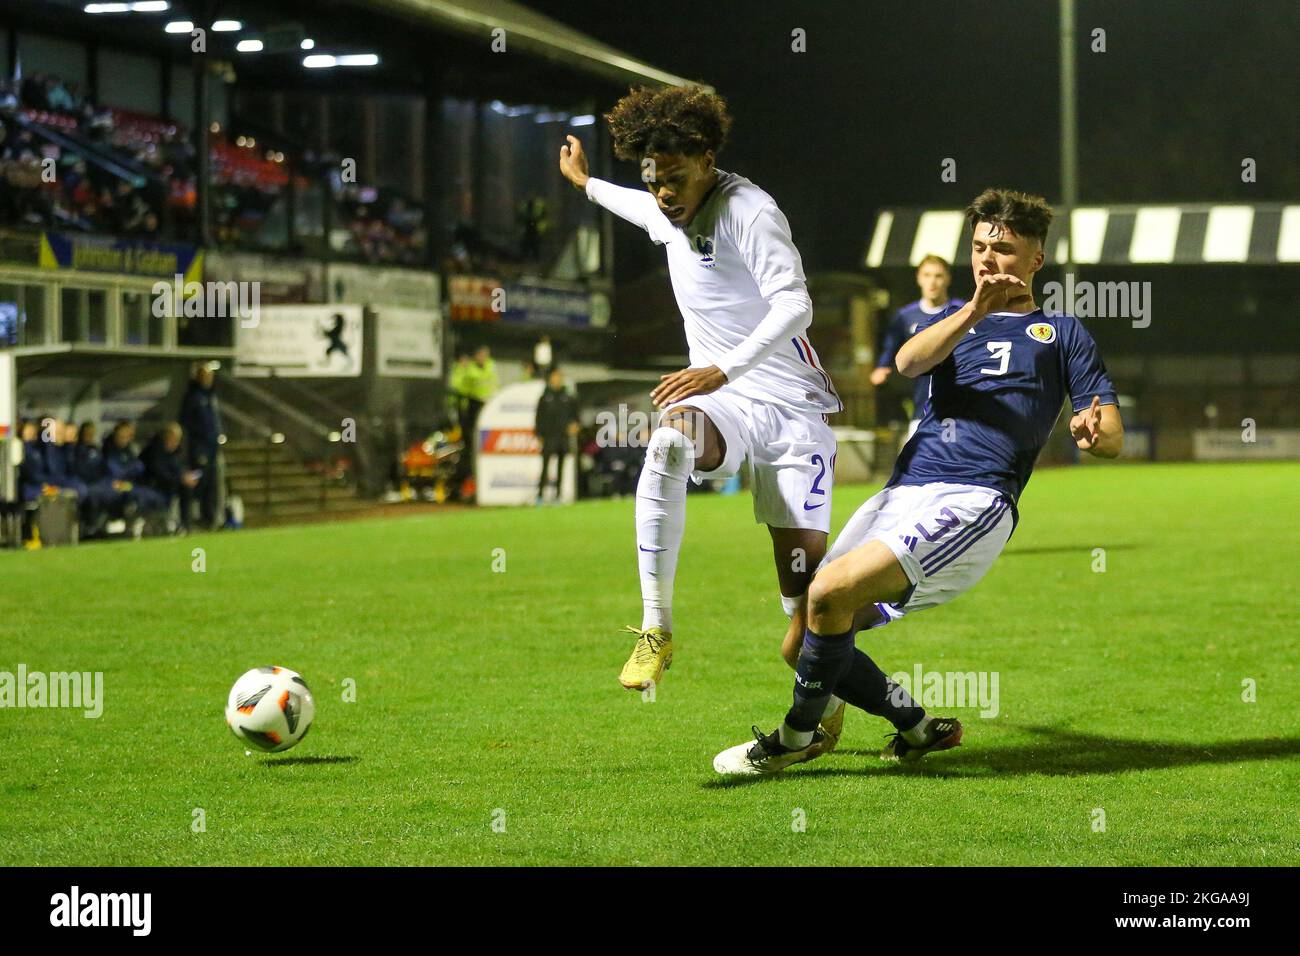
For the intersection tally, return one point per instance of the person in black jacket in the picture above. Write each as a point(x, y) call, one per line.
point(557, 420)
point(201, 419)
point(166, 474)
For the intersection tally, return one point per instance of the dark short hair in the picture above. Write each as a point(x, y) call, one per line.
point(1024, 214)
point(678, 120)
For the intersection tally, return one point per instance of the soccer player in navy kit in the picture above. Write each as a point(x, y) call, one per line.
point(932, 277)
point(1000, 369)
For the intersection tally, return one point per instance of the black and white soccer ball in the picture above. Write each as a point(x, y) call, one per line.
point(270, 709)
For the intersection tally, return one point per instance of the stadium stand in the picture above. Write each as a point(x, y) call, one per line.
point(125, 160)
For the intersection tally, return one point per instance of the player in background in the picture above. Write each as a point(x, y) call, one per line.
point(1001, 370)
point(932, 277)
point(755, 393)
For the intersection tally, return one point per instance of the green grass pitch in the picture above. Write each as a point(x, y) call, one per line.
point(489, 697)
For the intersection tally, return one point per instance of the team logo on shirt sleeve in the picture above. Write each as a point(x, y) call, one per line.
point(1042, 332)
point(704, 246)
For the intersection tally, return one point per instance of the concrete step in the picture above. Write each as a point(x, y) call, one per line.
point(305, 481)
point(276, 454)
point(258, 497)
point(254, 514)
point(258, 470)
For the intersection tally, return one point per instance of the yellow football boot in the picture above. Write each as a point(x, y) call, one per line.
point(832, 726)
point(652, 655)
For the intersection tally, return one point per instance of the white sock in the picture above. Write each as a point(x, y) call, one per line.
point(794, 739)
point(660, 521)
point(790, 604)
point(920, 734)
point(832, 705)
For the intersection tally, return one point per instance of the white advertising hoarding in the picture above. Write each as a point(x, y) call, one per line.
point(375, 286)
point(408, 342)
point(508, 461)
point(1245, 444)
point(300, 341)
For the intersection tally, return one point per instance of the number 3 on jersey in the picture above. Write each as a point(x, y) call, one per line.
point(1002, 354)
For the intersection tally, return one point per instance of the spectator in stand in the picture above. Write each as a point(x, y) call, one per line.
point(129, 209)
point(96, 124)
point(59, 97)
point(166, 474)
point(556, 424)
point(201, 419)
point(533, 224)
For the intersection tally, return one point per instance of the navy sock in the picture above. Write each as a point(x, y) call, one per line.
point(865, 685)
point(823, 660)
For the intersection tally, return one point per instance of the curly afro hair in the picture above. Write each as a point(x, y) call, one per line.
point(687, 121)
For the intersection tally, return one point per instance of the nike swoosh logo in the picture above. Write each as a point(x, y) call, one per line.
point(652, 550)
point(808, 507)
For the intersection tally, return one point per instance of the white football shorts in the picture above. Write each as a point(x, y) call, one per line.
point(946, 536)
point(790, 456)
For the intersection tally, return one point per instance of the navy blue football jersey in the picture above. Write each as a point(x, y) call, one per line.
point(902, 327)
point(995, 399)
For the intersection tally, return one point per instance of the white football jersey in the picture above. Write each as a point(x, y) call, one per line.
point(731, 266)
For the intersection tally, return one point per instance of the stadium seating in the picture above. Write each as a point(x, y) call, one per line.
point(104, 147)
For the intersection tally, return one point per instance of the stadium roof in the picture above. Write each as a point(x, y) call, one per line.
point(1182, 234)
point(448, 41)
point(532, 32)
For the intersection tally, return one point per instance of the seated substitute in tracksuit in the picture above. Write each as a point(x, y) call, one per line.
point(57, 468)
point(107, 498)
point(32, 476)
point(166, 473)
point(122, 461)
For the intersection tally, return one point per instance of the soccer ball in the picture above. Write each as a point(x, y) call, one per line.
point(270, 708)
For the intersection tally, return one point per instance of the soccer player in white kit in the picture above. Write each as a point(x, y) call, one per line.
point(755, 394)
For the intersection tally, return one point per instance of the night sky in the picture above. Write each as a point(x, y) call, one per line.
point(886, 91)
